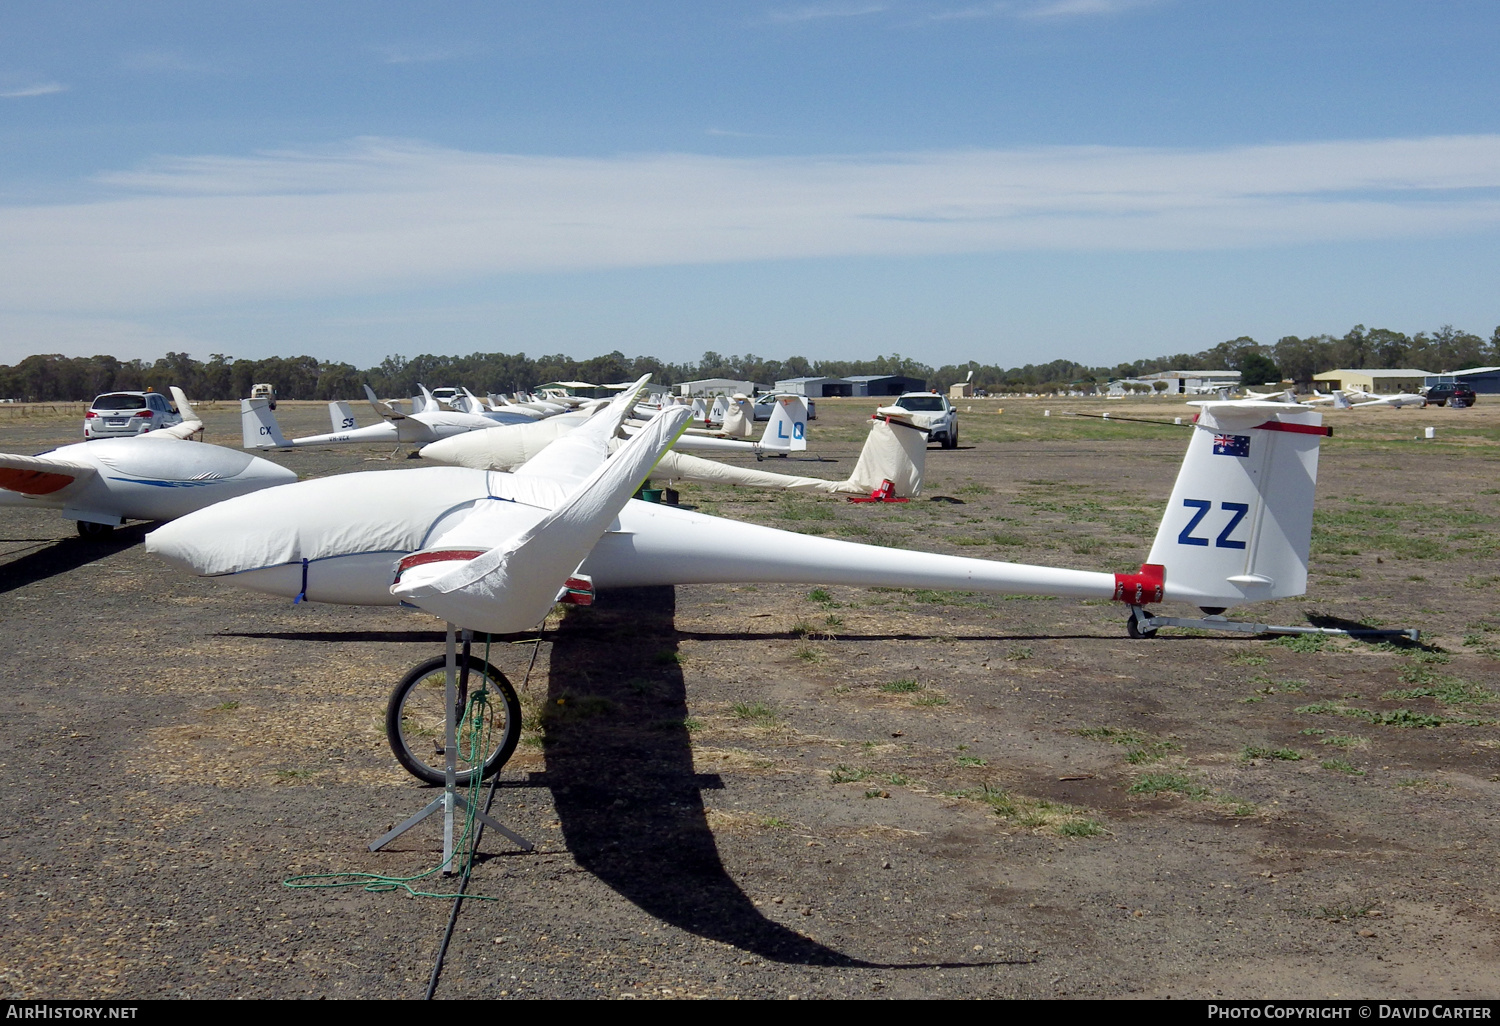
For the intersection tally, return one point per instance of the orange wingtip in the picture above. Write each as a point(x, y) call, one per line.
point(33, 482)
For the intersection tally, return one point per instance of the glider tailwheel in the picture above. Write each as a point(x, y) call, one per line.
point(89, 531)
point(416, 721)
point(1135, 626)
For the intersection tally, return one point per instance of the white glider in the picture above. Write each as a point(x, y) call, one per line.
point(1236, 529)
point(102, 484)
point(261, 431)
point(895, 451)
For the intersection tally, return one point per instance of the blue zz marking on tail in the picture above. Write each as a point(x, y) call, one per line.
point(1223, 541)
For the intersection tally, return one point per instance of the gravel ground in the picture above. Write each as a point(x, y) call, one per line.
point(778, 791)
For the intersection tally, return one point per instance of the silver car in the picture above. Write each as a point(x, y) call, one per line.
point(118, 414)
point(935, 413)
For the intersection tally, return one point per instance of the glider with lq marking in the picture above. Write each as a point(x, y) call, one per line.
point(453, 541)
point(155, 476)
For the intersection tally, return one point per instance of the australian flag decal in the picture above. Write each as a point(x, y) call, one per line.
point(1231, 445)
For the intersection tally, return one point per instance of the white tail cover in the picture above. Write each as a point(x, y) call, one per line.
point(258, 426)
point(894, 452)
point(1239, 524)
point(739, 420)
point(719, 410)
point(786, 431)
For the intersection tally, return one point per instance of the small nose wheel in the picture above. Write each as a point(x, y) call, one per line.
point(1135, 624)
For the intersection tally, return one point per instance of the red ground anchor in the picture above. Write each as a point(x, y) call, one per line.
point(885, 493)
point(1137, 589)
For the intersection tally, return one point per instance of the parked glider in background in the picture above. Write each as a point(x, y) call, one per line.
point(1236, 530)
point(1358, 398)
point(261, 431)
point(1286, 396)
point(102, 484)
point(895, 451)
point(786, 431)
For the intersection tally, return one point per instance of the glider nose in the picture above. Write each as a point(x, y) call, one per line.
point(267, 473)
point(466, 450)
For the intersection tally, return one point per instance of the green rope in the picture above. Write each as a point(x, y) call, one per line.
point(478, 729)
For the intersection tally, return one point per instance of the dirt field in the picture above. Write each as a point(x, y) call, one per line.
point(783, 791)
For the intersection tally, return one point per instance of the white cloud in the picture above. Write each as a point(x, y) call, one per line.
point(817, 12)
point(40, 89)
point(1081, 8)
point(167, 62)
point(425, 54)
point(377, 215)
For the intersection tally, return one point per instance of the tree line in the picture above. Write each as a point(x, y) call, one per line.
point(55, 378)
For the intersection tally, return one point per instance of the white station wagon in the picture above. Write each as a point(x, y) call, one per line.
point(117, 414)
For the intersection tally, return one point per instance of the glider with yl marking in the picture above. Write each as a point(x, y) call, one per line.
point(102, 484)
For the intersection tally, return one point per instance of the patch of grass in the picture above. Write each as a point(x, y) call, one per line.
point(1447, 690)
point(1018, 653)
point(1282, 754)
point(906, 685)
point(876, 792)
point(756, 712)
point(569, 708)
point(1341, 766)
point(1168, 783)
point(801, 629)
point(833, 620)
point(820, 595)
point(1396, 718)
point(929, 698)
point(774, 823)
point(1033, 813)
point(667, 657)
point(1143, 748)
point(1249, 659)
point(1345, 741)
point(1079, 828)
point(1304, 643)
point(971, 760)
point(794, 510)
point(808, 654)
point(230, 706)
point(897, 779)
point(842, 774)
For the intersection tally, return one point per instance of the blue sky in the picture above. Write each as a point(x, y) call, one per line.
point(999, 181)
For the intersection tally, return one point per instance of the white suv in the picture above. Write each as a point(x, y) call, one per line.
point(118, 414)
point(935, 414)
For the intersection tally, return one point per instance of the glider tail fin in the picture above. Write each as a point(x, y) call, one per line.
point(786, 431)
point(258, 425)
point(1239, 523)
point(341, 416)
